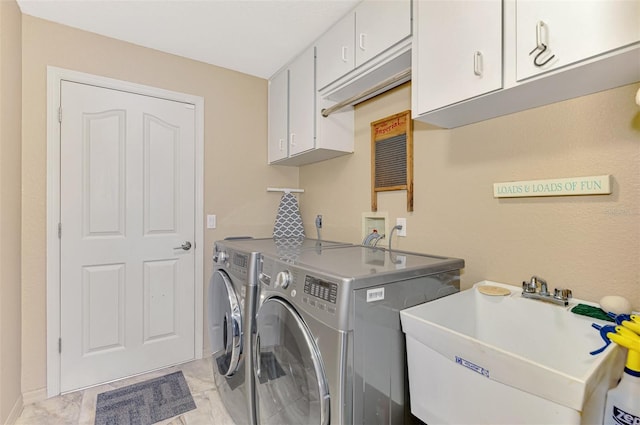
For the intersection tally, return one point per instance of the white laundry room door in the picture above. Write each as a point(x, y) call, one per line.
point(127, 208)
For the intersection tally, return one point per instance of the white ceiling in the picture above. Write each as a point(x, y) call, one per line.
point(255, 37)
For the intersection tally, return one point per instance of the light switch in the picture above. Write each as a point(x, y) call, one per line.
point(211, 221)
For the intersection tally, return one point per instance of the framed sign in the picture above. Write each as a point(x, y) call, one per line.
point(392, 157)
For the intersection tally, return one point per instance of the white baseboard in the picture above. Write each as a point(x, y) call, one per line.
point(16, 410)
point(34, 396)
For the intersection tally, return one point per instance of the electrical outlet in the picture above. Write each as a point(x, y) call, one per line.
point(401, 222)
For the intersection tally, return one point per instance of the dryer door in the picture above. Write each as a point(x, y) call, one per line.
point(225, 324)
point(290, 378)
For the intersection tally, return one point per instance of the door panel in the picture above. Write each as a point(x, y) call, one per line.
point(160, 282)
point(161, 141)
point(104, 173)
point(127, 206)
point(102, 304)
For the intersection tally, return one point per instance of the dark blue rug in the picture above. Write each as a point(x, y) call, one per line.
point(145, 403)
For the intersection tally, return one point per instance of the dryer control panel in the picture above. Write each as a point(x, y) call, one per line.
point(311, 292)
point(326, 291)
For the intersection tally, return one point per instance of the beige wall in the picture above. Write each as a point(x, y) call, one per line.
point(10, 145)
point(590, 244)
point(236, 174)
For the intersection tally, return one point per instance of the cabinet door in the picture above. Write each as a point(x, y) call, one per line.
point(379, 25)
point(302, 98)
point(572, 31)
point(469, 63)
point(278, 115)
point(335, 54)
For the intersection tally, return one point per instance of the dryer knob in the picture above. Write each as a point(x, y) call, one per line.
point(221, 257)
point(283, 279)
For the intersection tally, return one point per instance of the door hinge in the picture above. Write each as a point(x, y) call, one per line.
point(59, 230)
point(60, 345)
point(60, 114)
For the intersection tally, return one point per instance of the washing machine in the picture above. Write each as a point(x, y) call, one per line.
point(232, 299)
point(327, 346)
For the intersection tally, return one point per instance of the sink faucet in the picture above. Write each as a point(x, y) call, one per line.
point(537, 289)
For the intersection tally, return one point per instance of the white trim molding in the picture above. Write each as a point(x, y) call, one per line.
point(54, 77)
point(34, 396)
point(15, 411)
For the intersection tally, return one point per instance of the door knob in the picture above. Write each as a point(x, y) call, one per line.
point(186, 246)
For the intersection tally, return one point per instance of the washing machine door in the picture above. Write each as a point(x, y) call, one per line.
point(225, 324)
point(291, 385)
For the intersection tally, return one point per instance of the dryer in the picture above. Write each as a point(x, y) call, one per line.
point(328, 346)
point(232, 298)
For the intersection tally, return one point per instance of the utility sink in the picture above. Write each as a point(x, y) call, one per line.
point(476, 358)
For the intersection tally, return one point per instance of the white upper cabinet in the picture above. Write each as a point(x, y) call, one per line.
point(380, 25)
point(298, 134)
point(457, 51)
point(292, 108)
point(370, 29)
point(278, 116)
point(335, 50)
point(571, 31)
point(302, 103)
point(522, 54)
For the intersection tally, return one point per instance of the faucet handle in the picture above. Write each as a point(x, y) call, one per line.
point(562, 294)
point(529, 287)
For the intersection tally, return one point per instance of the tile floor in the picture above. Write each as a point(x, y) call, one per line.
point(79, 407)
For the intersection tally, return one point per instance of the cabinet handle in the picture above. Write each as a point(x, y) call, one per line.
point(292, 139)
point(281, 144)
point(344, 53)
point(477, 63)
point(361, 40)
point(541, 47)
point(539, 42)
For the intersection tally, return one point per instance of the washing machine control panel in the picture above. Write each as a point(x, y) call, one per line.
point(236, 262)
point(326, 291)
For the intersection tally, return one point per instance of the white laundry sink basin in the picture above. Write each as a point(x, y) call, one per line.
point(510, 355)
